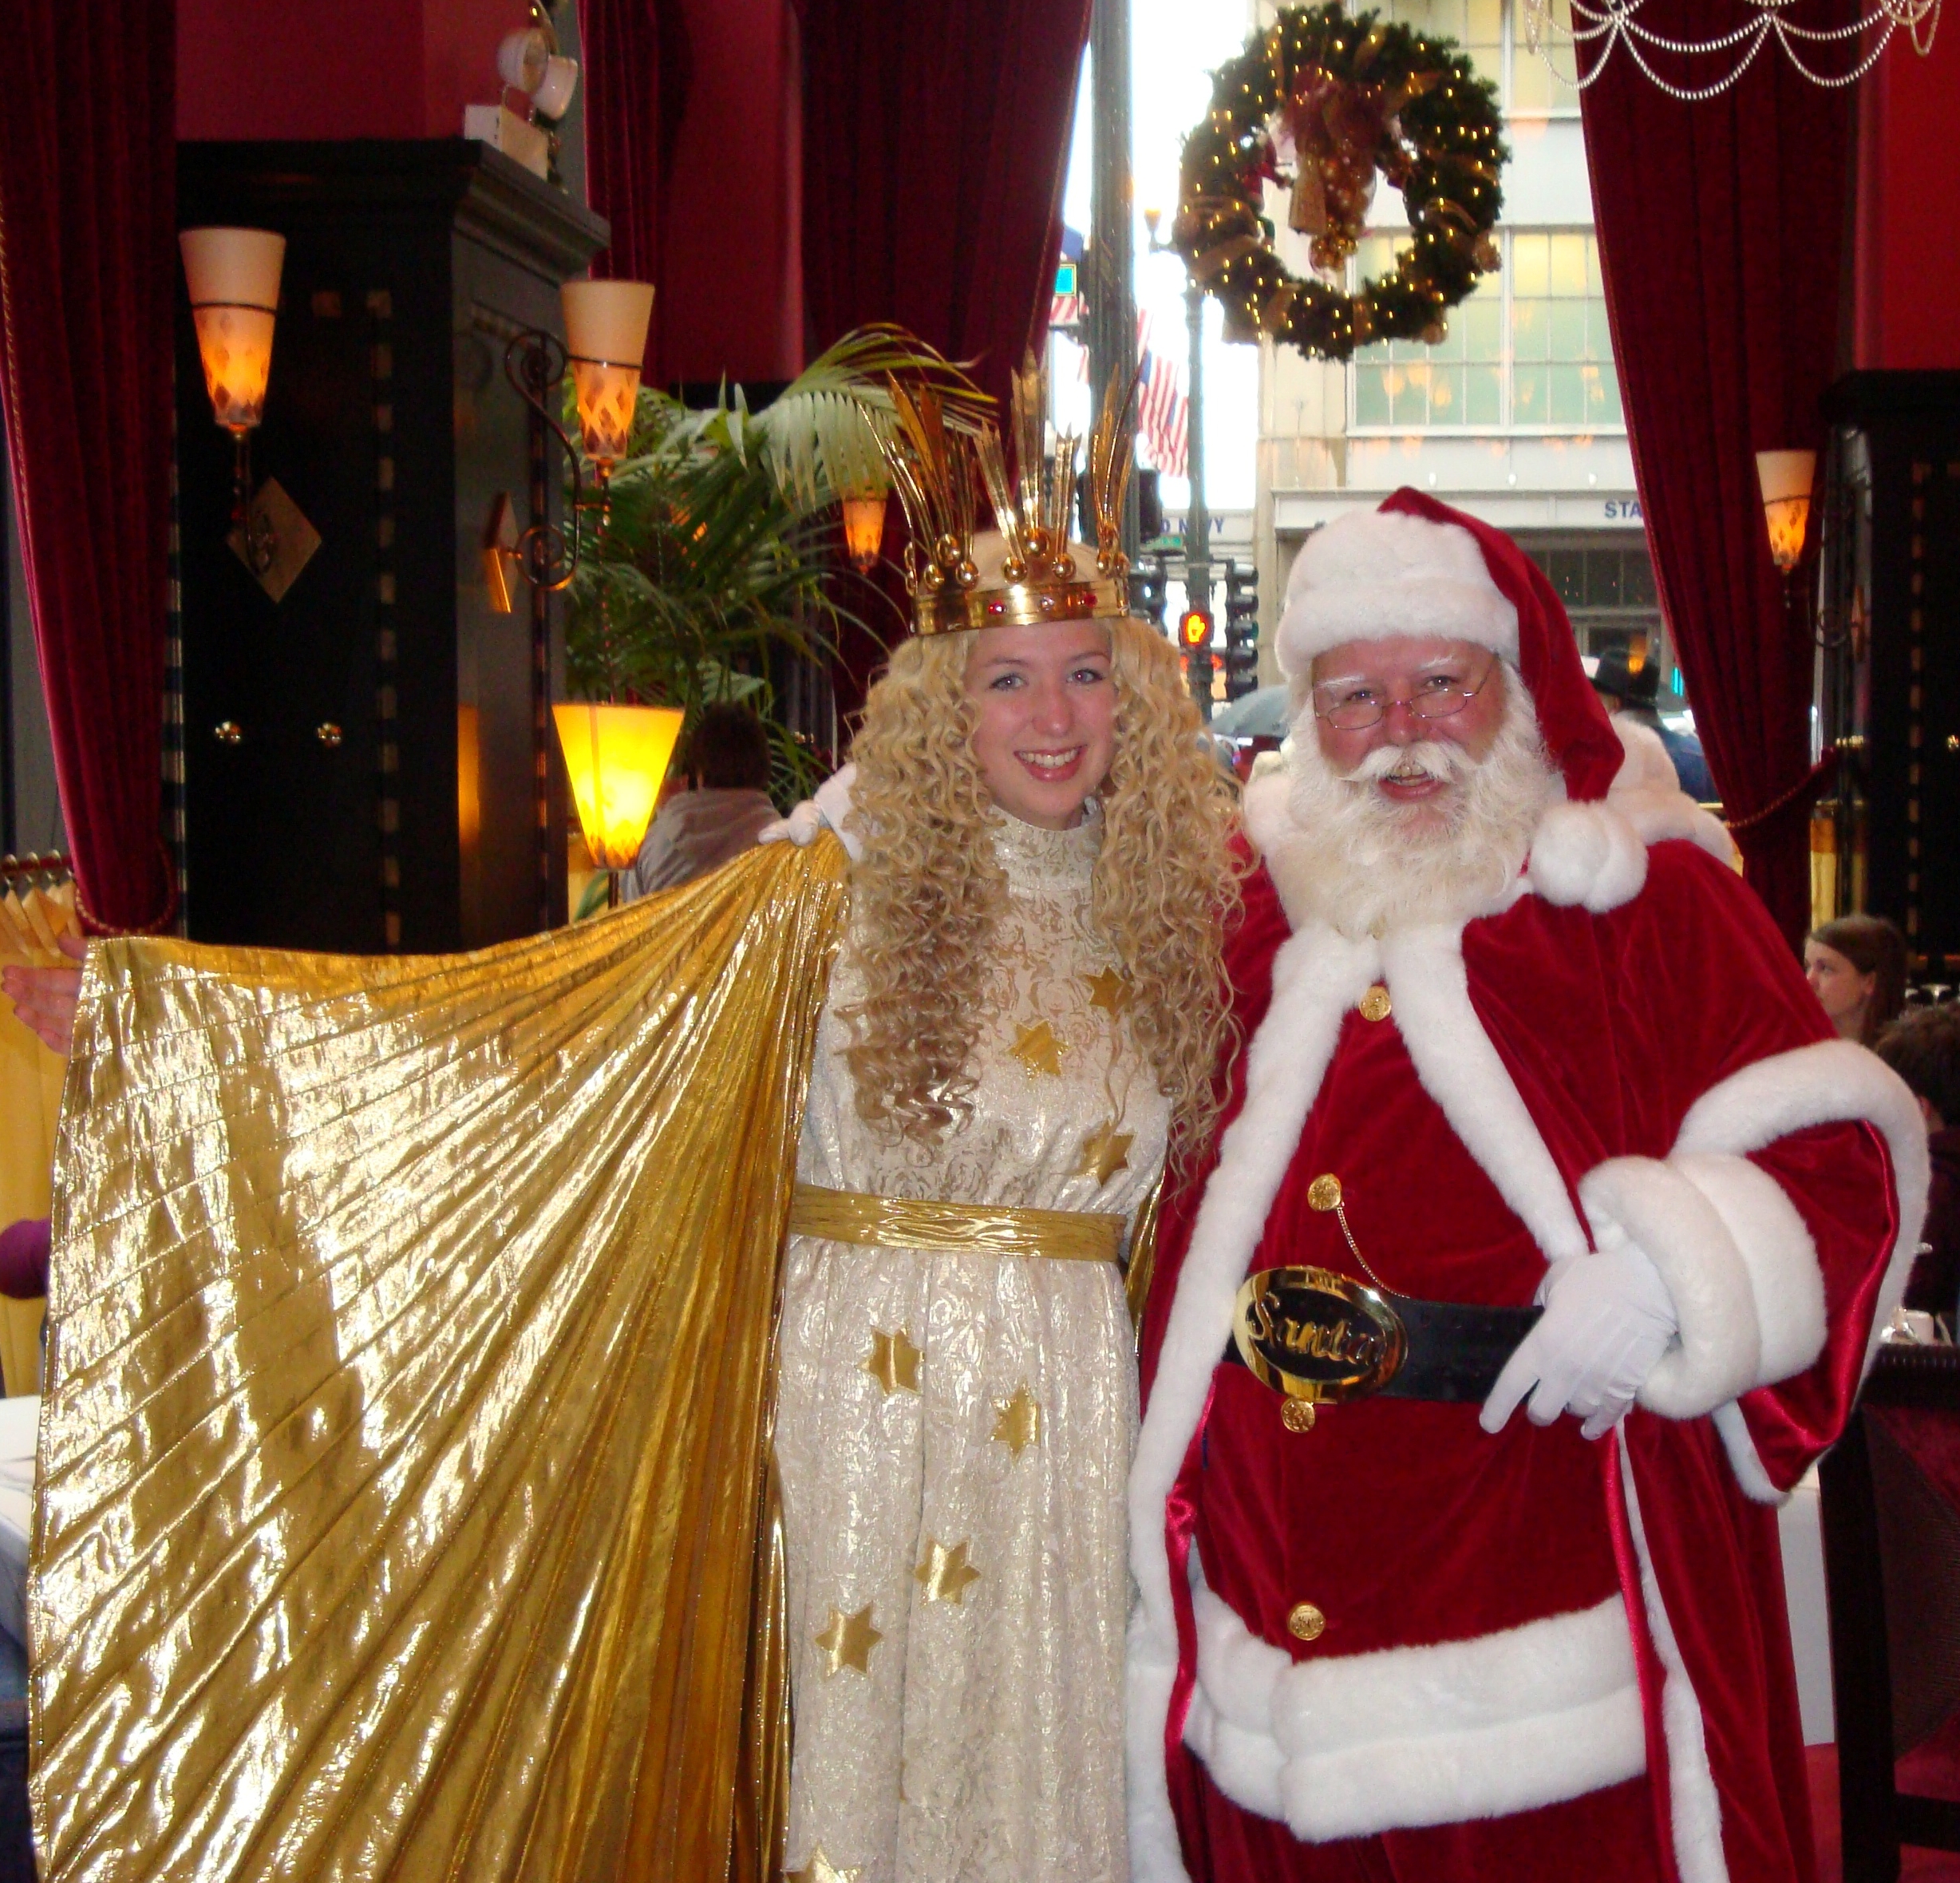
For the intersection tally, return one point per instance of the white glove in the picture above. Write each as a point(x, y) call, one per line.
point(829, 810)
point(1608, 1320)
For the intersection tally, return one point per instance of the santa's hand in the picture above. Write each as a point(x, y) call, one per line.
point(45, 998)
point(1608, 1320)
point(829, 810)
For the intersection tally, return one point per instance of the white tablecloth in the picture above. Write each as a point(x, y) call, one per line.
point(1803, 1587)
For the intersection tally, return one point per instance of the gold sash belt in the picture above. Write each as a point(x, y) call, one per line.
point(967, 1228)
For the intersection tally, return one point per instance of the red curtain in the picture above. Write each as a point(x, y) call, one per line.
point(935, 133)
point(87, 271)
point(1720, 225)
point(636, 58)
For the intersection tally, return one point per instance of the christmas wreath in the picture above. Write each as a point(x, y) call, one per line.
point(1342, 98)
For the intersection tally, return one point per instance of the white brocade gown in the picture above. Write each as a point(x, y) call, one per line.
point(954, 1434)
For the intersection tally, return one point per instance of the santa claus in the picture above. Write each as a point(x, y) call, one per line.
point(1536, 1110)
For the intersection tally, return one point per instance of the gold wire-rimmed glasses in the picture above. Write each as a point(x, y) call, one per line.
point(1361, 704)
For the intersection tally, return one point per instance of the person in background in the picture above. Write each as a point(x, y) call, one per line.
point(1922, 1046)
point(1856, 967)
point(1632, 692)
point(720, 812)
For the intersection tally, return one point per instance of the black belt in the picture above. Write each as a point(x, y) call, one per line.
point(1370, 1342)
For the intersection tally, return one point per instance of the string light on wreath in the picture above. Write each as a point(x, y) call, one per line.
point(1601, 26)
point(1346, 99)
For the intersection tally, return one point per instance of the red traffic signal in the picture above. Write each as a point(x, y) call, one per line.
point(1194, 628)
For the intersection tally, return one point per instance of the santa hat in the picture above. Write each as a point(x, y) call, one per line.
point(1416, 567)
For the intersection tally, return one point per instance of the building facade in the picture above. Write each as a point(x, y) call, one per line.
point(1514, 416)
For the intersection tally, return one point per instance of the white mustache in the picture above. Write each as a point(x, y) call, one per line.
point(1430, 758)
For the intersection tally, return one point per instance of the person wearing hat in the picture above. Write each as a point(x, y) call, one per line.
point(1540, 1255)
point(1633, 690)
point(483, 1390)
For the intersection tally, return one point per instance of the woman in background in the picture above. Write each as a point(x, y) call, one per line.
point(1856, 967)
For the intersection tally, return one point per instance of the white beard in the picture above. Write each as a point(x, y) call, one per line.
point(1366, 865)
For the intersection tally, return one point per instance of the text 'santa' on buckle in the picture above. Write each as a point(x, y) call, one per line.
point(1314, 1335)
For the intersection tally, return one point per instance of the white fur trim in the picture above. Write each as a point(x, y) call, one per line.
point(1348, 1746)
point(1592, 855)
point(1318, 975)
point(1462, 1071)
point(1374, 573)
point(1831, 1082)
point(1694, 1807)
point(1737, 1260)
point(1588, 855)
point(1744, 1460)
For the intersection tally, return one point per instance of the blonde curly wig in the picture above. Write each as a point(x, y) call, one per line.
point(925, 895)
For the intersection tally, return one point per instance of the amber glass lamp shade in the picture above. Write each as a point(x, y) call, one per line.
point(1785, 477)
point(864, 528)
point(618, 758)
point(233, 275)
point(606, 335)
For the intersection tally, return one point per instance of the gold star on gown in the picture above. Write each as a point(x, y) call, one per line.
point(945, 1573)
point(849, 1640)
point(1037, 1048)
point(820, 1870)
point(1105, 1151)
point(1108, 990)
point(893, 1361)
point(1019, 1424)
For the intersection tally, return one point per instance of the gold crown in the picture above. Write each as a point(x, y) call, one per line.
point(1034, 573)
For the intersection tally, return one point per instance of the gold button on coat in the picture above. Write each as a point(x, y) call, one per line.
point(1375, 1004)
point(1305, 1622)
point(1297, 1415)
point(1324, 1191)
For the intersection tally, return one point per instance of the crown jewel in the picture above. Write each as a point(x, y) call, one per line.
point(1031, 571)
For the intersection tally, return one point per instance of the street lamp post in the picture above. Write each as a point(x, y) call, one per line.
point(1197, 519)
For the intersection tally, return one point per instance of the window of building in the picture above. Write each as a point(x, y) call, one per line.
point(1527, 351)
point(1493, 32)
point(1608, 592)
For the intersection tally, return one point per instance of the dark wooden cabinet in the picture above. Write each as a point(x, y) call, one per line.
point(1889, 671)
point(386, 778)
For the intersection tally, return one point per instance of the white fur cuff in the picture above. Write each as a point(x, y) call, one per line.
point(1737, 1259)
point(1348, 1746)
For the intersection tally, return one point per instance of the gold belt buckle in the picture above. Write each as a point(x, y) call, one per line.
point(1313, 1334)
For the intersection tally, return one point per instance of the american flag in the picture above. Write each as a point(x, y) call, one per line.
point(1162, 409)
point(1066, 311)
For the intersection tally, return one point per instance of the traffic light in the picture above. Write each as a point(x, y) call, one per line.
point(1193, 630)
point(1149, 506)
point(1147, 590)
point(1242, 630)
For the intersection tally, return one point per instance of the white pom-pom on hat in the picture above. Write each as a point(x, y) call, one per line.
point(1374, 573)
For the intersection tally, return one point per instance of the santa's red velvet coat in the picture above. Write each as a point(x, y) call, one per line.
point(1627, 1048)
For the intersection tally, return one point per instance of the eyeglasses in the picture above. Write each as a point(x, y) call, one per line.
point(1437, 696)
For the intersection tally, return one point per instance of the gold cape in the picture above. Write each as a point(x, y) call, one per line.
point(403, 1488)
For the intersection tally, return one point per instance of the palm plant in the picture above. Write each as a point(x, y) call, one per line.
point(718, 547)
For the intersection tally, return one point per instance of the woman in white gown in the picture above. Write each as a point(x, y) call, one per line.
point(1026, 1013)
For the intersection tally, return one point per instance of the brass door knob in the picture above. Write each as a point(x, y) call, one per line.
point(228, 732)
point(328, 733)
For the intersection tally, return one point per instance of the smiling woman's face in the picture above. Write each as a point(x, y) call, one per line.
point(1044, 705)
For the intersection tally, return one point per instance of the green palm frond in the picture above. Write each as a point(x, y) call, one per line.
point(720, 546)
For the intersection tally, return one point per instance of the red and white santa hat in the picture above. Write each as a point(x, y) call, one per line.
point(1416, 567)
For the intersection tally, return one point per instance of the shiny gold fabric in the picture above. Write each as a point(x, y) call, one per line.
point(959, 1228)
point(403, 1463)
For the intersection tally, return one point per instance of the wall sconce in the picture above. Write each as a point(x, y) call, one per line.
point(864, 528)
point(1786, 478)
point(606, 327)
point(233, 275)
point(617, 758)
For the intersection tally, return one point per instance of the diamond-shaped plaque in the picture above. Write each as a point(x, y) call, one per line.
point(277, 520)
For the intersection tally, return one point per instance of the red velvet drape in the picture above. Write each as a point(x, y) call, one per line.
point(1719, 227)
point(636, 57)
point(87, 270)
point(934, 135)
